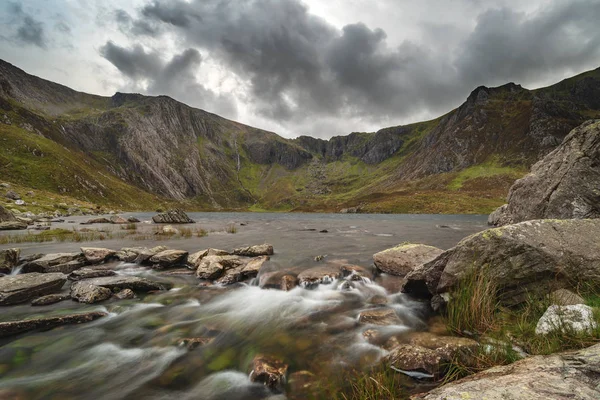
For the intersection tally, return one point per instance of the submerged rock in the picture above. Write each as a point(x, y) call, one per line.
point(558, 376)
point(269, 371)
point(404, 258)
point(12, 328)
point(85, 292)
point(575, 319)
point(9, 259)
point(96, 255)
point(255, 251)
point(379, 316)
point(175, 216)
point(24, 287)
point(319, 275)
point(523, 260)
point(50, 299)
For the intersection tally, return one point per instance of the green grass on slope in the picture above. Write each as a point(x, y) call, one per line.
point(491, 168)
point(32, 160)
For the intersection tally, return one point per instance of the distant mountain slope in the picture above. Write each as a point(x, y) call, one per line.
point(131, 148)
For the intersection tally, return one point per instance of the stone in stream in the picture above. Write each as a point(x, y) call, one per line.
point(125, 294)
point(255, 251)
point(12, 225)
point(129, 254)
point(194, 259)
point(134, 283)
point(168, 258)
point(303, 385)
point(85, 292)
point(117, 219)
point(145, 255)
point(50, 299)
point(58, 262)
point(133, 220)
point(97, 255)
point(282, 280)
point(269, 371)
point(175, 216)
point(12, 328)
point(577, 318)
point(523, 260)
point(356, 272)
point(249, 269)
point(24, 287)
point(9, 259)
point(213, 267)
point(101, 220)
point(88, 273)
point(402, 259)
point(379, 316)
point(557, 376)
point(192, 343)
point(319, 275)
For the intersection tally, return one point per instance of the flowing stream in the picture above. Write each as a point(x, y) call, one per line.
point(135, 352)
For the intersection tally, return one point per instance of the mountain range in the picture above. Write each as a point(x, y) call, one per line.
point(132, 151)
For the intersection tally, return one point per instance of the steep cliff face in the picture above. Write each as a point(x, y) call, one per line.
point(168, 149)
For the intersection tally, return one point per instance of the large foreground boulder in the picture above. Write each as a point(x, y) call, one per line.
point(402, 259)
point(20, 288)
point(175, 216)
point(532, 258)
point(572, 375)
point(563, 185)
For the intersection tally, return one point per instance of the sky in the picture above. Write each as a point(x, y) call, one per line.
point(303, 67)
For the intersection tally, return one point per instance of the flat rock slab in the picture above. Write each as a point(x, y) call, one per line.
point(88, 273)
point(402, 259)
point(126, 282)
point(12, 328)
point(169, 258)
point(255, 251)
point(54, 263)
point(24, 287)
point(50, 299)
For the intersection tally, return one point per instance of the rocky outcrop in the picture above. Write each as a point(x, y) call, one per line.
point(402, 259)
point(558, 376)
point(12, 328)
point(85, 292)
point(20, 288)
point(563, 185)
point(532, 258)
point(9, 259)
point(175, 216)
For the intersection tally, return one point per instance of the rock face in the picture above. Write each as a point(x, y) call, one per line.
point(175, 216)
point(85, 292)
point(255, 251)
point(569, 319)
point(558, 376)
point(20, 288)
point(402, 259)
point(563, 185)
point(12, 328)
point(532, 258)
point(9, 258)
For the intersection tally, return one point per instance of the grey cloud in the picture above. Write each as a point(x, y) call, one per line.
point(134, 26)
point(30, 30)
point(176, 77)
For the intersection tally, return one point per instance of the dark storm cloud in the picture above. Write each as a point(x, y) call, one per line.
point(299, 66)
point(29, 30)
point(175, 77)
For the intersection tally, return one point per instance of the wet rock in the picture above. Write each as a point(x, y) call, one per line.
point(12, 225)
point(117, 220)
point(282, 280)
point(255, 251)
point(24, 287)
point(379, 316)
point(269, 371)
point(175, 216)
point(192, 343)
point(12, 328)
point(85, 292)
point(129, 254)
point(168, 258)
point(88, 273)
point(56, 262)
point(355, 272)
point(50, 299)
point(558, 376)
point(378, 300)
point(9, 259)
point(212, 267)
point(101, 220)
point(125, 294)
point(564, 297)
point(133, 220)
point(576, 318)
point(523, 260)
point(319, 275)
point(402, 259)
point(117, 283)
point(96, 255)
point(145, 255)
point(249, 269)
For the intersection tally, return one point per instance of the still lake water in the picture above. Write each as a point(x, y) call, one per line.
point(133, 353)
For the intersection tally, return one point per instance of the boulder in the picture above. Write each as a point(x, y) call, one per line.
point(169, 230)
point(125, 294)
point(379, 316)
point(96, 255)
point(269, 371)
point(118, 220)
point(558, 376)
point(523, 260)
point(145, 255)
point(319, 275)
point(5, 215)
point(574, 319)
point(249, 269)
point(12, 225)
point(24, 287)
point(88, 273)
point(168, 258)
point(11, 194)
point(9, 259)
point(129, 254)
point(12, 328)
point(133, 220)
point(255, 251)
point(562, 185)
point(117, 283)
point(58, 262)
point(175, 216)
point(50, 299)
point(212, 267)
point(101, 220)
point(402, 259)
point(282, 280)
point(85, 292)
point(564, 297)
point(194, 259)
